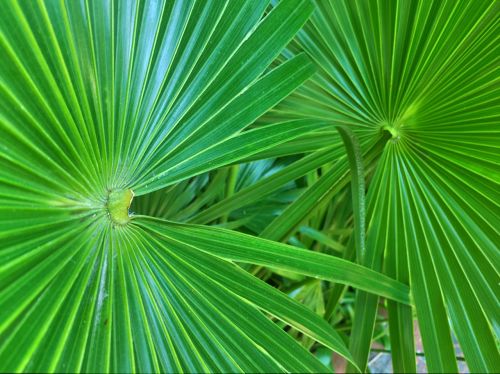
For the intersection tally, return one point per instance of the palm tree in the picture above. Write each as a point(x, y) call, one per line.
point(160, 104)
point(424, 76)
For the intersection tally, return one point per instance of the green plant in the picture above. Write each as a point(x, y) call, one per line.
point(231, 127)
point(424, 74)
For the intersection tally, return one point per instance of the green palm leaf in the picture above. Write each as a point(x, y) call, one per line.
point(424, 73)
point(103, 100)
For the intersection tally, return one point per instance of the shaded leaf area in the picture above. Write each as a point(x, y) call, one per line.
point(100, 97)
point(426, 74)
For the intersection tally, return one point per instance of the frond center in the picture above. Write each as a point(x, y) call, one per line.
point(118, 205)
point(394, 130)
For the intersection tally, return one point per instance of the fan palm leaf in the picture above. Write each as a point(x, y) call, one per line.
point(101, 101)
point(424, 75)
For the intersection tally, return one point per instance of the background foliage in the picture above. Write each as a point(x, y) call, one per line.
point(364, 134)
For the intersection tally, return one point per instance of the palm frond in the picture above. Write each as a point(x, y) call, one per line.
point(424, 73)
point(101, 100)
